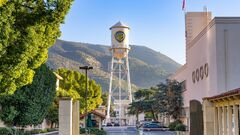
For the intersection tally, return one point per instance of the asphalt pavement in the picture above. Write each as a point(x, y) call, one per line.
point(129, 131)
point(133, 131)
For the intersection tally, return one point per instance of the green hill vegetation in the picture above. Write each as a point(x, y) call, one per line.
point(147, 67)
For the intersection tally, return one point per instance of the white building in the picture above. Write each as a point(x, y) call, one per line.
point(212, 57)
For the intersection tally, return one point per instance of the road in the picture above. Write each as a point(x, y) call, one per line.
point(132, 131)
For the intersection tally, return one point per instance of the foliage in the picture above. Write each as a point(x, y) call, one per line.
point(28, 29)
point(6, 131)
point(173, 125)
point(52, 114)
point(73, 85)
point(93, 131)
point(180, 127)
point(29, 105)
point(2, 2)
point(144, 102)
point(174, 99)
point(177, 126)
point(104, 99)
point(164, 98)
point(135, 108)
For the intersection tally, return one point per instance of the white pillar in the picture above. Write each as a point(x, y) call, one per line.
point(236, 128)
point(208, 117)
point(216, 127)
point(225, 120)
point(75, 118)
point(220, 131)
point(65, 116)
point(110, 91)
point(229, 112)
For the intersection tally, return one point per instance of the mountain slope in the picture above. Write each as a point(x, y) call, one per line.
point(147, 67)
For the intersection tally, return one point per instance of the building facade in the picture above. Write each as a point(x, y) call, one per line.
point(212, 57)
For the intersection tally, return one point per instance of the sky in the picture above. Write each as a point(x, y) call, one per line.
point(157, 24)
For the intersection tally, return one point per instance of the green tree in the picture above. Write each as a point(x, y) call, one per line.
point(2, 2)
point(169, 98)
point(174, 98)
point(104, 99)
point(144, 102)
point(165, 98)
point(27, 29)
point(29, 105)
point(52, 114)
point(73, 85)
point(135, 108)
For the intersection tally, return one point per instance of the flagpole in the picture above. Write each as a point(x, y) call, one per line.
point(184, 6)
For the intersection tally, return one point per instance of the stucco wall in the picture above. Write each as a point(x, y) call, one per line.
point(218, 45)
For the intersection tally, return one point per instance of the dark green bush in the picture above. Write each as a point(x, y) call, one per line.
point(94, 131)
point(180, 127)
point(82, 130)
point(51, 129)
point(6, 131)
point(172, 126)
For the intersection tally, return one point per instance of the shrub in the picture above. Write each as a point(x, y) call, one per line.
point(51, 129)
point(34, 131)
point(180, 127)
point(93, 131)
point(6, 131)
point(82, 130)
point(172, 126)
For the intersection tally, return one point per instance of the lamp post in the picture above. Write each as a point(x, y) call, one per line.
point(86, 68)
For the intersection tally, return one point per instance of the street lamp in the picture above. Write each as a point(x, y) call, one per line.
point(86, 68)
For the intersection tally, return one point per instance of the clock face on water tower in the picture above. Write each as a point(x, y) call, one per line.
point(119, 36)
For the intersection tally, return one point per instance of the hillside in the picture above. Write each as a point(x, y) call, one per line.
point(147, 67)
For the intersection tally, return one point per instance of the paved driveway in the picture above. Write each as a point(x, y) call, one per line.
point(132, 131)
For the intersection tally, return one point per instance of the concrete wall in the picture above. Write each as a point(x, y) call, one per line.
point(195, 22)
point(218, 45)
point(228, 62)
point(75, 118)
point(65, 117)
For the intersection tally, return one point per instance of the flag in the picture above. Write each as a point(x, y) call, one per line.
point(184, 5)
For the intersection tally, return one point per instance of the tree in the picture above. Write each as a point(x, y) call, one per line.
point(135, 108)
point(144, 102)
point(164, 98)
point(73, 85)
point(104, 99)
point(2, 2)
point(174, 98)
point(29, 105)
point(169, 98)
point(27, 29)
point(52, 114)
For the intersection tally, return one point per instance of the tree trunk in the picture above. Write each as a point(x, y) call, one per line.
point(137, 117)
point(153, 114)
point(51, 124)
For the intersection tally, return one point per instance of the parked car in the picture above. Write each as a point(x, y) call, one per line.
point(116, 124)
point(154, 127)
point(109, 124)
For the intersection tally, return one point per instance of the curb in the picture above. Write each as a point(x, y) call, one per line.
point(47, 133)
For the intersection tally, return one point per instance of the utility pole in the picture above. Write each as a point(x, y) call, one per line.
point(86, 68)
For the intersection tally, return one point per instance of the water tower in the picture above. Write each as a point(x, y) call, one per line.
point(119, 71)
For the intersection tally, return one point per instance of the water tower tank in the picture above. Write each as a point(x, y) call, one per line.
point(120, 40)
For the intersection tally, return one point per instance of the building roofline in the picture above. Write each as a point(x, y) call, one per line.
point(95, 113)
point(216, 20)
point(119, 25)
point(181, 69)
point(224, 95)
